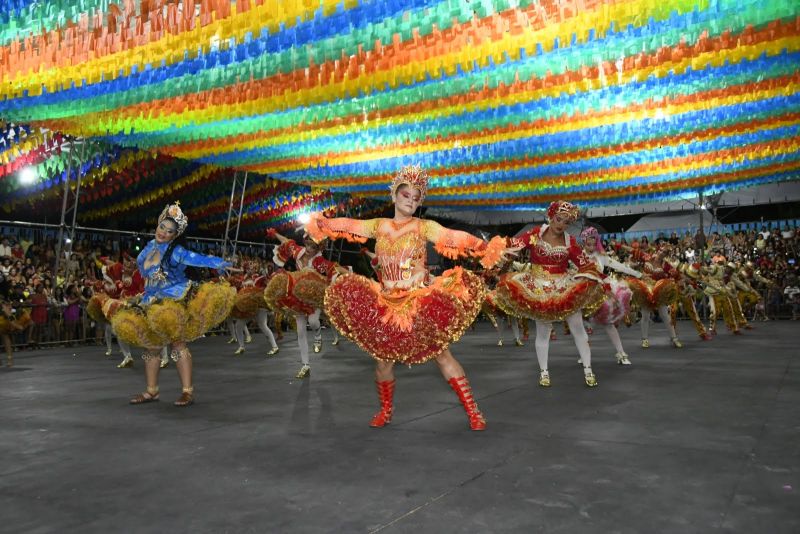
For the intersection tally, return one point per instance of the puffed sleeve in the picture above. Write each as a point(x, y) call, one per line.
point(455, 244)
point(194, 259)
point(288, 250)
point(587, 267)
point(354, 230)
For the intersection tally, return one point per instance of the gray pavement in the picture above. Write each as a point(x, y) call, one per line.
point(701, 439)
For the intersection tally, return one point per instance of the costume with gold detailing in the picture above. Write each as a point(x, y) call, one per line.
point(249, 304)
point(410, 317)
point(690, 288)
point(547, 291)
point(720, 294)
point(657, 287)
point(15, 322)
point(172, 308)
point(301, 291)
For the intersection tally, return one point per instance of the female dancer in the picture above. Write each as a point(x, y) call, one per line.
point(172, 310)
point(656, 291)
point(549, 292)
point(409, 317)
point(11, 322)
point(301, 292)
point(249, 304)
point(618, 295)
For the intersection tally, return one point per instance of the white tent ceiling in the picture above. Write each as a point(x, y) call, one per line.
point(763, 194)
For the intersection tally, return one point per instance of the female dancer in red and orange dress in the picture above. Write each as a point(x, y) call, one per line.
point(548, 292)
point(250, 304)
point(301, 292)
point(409, 317)
point(656, 290)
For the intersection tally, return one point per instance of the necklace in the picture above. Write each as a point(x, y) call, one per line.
point(403, 224)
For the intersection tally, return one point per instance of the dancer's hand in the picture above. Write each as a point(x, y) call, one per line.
point(510, 252)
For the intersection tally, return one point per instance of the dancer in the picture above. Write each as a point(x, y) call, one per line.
point(250, 304)
point(617, 303)
point(690, 288)
point(301, 292)
point(409, 317)
point(719, 290)
point(172, 310)
point(656, 291)
point(548, 292)
point(11, 322)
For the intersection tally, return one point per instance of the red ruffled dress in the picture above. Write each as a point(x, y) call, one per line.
point(409, 317)
point(657, 287)
point(301, 291)
point(548, 291)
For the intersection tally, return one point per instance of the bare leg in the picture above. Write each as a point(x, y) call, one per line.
point(384, 371)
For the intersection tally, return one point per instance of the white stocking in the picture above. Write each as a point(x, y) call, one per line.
point(514, 330)
point(125, 348)
point(542, 343)
point(575, 322)
point(313, 322)
point(231, 329)
point(666, 318)
point(165, 354)
point(246, 331)
point(302, 336)
point(645, 322)
point(613, 335)
point(261, 319)
point(239, 329)
point(107, 334)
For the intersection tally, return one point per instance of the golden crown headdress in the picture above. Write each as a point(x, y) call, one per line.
point(412, 176)
point(174, 212)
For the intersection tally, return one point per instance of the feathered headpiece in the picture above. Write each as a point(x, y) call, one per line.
point(564, 208)
point(412, 176)
point(174, 213)
point(590, 232)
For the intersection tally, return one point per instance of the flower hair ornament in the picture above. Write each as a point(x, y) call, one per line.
point(412, 176)
point(174, 213)
point(565, 209)
point(591, 232)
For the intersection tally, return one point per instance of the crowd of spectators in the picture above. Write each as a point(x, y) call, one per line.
point(57, 301)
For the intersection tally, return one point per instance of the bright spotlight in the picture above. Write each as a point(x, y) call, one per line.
point(304, 218)
point(27, 175)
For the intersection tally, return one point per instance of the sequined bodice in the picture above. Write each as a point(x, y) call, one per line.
point(554, 258)
point(401, 252)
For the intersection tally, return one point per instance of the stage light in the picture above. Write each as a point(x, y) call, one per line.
point(27, 176)
point(304, 218)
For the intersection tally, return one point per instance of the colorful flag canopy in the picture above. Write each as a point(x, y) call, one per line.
point(508, 103)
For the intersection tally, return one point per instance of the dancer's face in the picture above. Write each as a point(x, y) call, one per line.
point(559, 223)
point(166, 231)
point(406, 200)
point(588, 244)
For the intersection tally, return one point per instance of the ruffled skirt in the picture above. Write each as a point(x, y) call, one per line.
point(615, 306)
point(298, 292)
point(543, 296)
point(171, 321)
point(406, 326)
point(8, 327)
point(247, 302)
point(94, 308)
point(651, 294)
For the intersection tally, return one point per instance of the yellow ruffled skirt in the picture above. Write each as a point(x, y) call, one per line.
point(155, 325)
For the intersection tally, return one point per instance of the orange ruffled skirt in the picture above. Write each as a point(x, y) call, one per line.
point(651, 294)
point(406, 326)
point(298, 292)
point(16, 325)
point(540, 295)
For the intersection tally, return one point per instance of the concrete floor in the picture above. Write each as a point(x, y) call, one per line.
point(702, 439)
